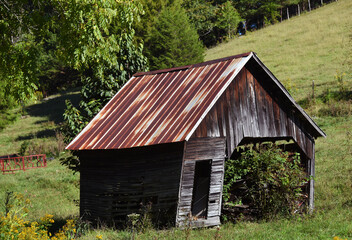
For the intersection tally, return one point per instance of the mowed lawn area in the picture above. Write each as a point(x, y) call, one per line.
point(314, 46)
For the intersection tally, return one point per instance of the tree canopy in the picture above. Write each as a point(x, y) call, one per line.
point(173, 41)
point(20, 37)
point(98, 40)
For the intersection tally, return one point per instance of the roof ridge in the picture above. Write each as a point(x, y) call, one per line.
point(221, 59)
point(138, 74)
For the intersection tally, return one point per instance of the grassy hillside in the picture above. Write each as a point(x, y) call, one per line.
point(315, 46)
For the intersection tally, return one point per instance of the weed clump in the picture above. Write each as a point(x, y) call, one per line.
point(13, 223)
point(268, 182)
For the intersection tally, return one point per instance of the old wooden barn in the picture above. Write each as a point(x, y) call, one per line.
point(164, 137)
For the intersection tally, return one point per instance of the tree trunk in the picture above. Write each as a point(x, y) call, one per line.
point(321, 1)
point(288, 14)
point(281, 14)
point(299, 11)
point(309, 5)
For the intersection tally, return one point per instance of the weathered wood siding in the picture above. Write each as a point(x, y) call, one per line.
point(114, 183)
point(197, 150)
point(253, 107)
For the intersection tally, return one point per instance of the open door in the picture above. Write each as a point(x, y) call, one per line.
point(201, 182)
point(201, 189)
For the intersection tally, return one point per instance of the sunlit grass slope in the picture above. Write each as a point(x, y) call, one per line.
point(314, 46)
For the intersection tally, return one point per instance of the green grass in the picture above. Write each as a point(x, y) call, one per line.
point(52, 190)
point(38, 124)
point(314, 46)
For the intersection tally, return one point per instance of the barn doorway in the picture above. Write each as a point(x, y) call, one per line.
point(201, 188)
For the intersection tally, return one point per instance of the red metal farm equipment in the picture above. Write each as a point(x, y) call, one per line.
point(11, 163)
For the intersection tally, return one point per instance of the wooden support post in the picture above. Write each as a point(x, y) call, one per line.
point(311, 172)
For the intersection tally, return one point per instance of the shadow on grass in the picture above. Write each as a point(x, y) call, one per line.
point(57, 225)
point(40, 134)
point(53, 108)
point(81, 227)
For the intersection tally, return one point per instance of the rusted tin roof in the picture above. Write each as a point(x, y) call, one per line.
point(160, 106)
point(164, 106)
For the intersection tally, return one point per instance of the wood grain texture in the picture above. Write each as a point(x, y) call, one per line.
point(201, 149)
point(115, 183)
point(252, 108)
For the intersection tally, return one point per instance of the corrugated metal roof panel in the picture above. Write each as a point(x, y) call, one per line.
point(159, 107)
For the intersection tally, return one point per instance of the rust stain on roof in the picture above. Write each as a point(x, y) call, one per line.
point(160, 106)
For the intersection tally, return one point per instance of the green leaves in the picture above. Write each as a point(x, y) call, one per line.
point(22, 24)
point(97, 39)
point(273, 180)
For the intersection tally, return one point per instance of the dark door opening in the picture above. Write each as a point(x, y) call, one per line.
point(201, 188)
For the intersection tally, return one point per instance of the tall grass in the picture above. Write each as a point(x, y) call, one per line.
point(52, 190)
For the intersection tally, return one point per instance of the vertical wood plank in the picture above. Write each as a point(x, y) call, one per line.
point(252, 104)
point(311, 182)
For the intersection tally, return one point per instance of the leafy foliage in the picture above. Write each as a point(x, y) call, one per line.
point(97, 39)
point(151, 9)
point(203, 16)
point(173, 40)
point(228, 19)
point(47, 45)
point(7, 117)
point(21, 26)
point(71, 162)
point(273, 180)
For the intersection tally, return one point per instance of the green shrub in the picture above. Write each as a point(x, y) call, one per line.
point(273, 181)
point(336, 109)
point(7, 117)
